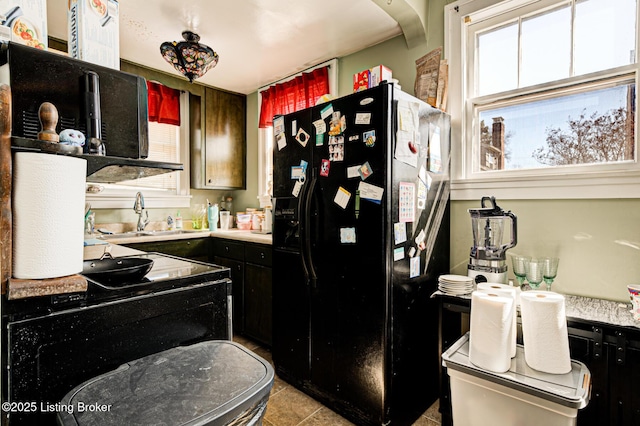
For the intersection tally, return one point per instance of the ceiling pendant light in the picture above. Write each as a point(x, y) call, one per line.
point(189, 57)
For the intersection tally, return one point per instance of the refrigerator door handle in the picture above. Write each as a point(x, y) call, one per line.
point(306, 242)
point(302, 226)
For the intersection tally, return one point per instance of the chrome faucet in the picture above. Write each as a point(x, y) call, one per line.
point(138, 207)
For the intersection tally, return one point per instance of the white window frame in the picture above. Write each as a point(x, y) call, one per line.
point(265, 136)
point(612, 180)
point(121, 197)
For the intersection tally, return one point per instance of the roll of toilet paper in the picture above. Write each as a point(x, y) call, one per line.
point(490, 330)
point(48, 215)
point(505, 291)
point(544, 332)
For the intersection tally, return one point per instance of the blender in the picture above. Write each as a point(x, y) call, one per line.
point(488, 258)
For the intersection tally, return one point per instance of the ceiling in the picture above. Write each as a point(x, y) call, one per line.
point(258, 41)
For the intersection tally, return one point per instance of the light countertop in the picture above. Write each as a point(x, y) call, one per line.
point(232, 234)
point(589, 309)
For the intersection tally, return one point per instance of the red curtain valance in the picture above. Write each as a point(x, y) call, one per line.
point(293, 95)
point(164, 103)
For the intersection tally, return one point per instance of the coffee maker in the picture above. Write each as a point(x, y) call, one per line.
point(488, 259)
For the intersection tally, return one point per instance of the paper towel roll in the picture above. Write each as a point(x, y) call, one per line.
point(490, 331)
point(505, 290)
point(48, 215)
point(544, 332)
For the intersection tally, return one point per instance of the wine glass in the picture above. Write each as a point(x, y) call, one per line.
point(535, 269)
point(550, 270)
point(519, 267)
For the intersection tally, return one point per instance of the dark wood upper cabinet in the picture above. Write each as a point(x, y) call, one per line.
point(218, 140)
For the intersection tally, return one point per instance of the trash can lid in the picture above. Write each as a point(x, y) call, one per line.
point(570, 390)
point(186, 385)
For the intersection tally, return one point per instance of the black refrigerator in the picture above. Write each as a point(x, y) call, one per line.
point(361, 234)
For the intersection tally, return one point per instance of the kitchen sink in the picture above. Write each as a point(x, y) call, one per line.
point(124, 235)
point(133, 234)
point(175, 232)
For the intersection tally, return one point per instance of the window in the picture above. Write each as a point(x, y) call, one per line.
point(265, 135)
point(167, 143)
point(543, 98)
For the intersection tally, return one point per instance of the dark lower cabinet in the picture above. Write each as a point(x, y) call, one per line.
point(613, 357)
point(611, 353)
point(231, 254)
point(251, 275)
point(257, 293)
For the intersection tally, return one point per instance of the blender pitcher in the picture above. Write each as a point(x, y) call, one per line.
point(488, 258)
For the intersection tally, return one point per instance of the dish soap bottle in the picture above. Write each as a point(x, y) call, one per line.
point(178, 220)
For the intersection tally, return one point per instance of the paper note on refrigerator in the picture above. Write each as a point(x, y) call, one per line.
point(342, 197)
point(278, 125)
point(399, 232)
point(321, 127)
point(353, 172)
point(370, 192)
point(281, 140)
point(414, 267)
point(406, 200)
point(408, 136)
point(326, 111)
point(348, 235)
point(398, 253)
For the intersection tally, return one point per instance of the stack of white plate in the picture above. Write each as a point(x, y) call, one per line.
point(456, 285)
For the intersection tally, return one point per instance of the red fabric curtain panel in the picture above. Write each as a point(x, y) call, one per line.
point(164, 103)
point(293, 95)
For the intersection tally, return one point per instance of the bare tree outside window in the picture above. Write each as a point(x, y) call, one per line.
point(597, 138)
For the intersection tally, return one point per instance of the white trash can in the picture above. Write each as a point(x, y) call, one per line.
point(521, 397)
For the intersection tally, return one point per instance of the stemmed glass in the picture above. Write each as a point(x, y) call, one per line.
point(535, 270)
point(550, 270)
point(520, 267)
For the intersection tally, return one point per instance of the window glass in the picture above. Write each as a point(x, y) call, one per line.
point(498, 60)
point(587, 127)
point(163, 146)
point(546, 47)
point(605, 34)
point(568, 119)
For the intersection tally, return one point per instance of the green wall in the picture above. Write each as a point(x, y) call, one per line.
point(598, 241)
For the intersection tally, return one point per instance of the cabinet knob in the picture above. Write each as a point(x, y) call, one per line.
point(188, 243)
point(261, 255)
point(226, 248)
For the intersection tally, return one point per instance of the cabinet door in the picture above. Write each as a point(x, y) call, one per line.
point(225, 142)
point(237, 280)
point(624, 397)
point(194, 249)
point(257, 303)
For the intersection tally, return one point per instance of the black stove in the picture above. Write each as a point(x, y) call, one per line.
point(52, 344)
point(168, 272)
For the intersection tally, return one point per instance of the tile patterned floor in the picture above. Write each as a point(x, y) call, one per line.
point(289, 407)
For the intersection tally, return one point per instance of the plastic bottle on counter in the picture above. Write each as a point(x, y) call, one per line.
point(178, 220)
point(212, 217)
point(229, 205)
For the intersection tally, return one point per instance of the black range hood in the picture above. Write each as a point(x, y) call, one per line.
point(100, 168)
point(106, 169)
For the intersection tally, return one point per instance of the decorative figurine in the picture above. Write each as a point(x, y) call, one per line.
point(72, 137)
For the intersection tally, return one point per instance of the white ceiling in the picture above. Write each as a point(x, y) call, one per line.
point(258, 41)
